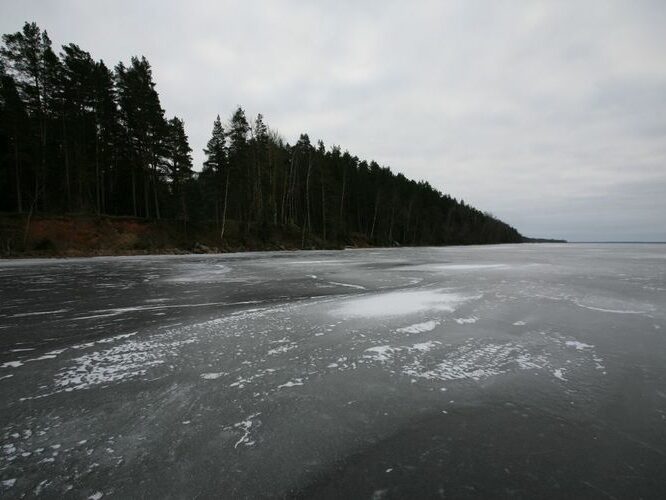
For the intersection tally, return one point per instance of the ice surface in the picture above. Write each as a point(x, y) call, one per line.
point(139, 376)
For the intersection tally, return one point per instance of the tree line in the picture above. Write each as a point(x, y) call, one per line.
point(79, 137)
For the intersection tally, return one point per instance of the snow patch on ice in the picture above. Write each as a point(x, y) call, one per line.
point(291, 383)
point(379, 353)
point(455, 267)
point(125, 361)
point(426, 326)
point(308, 262)
point(11, 364)
point(246, 426)
point(348, 285)
point(8, 483)
point(615, 311)
point(39, 313)
point(385, 353)
point(477, 359)
point(469, 361)
point(580, 346)
point(241, 381)
point(466, 321)
point(424, 346)
point(116, 338)
point(399, 303)
point(282, 349)
point(48, 355)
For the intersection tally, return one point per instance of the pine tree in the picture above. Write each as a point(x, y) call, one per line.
point(260, 151)
point(217, 172)
point(76, 104)
point(239, 165)
point(108, 141)
point(28, 58)
point(178, 163)
point(143, 118)
point(14, 126)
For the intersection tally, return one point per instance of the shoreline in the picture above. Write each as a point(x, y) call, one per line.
point(82, 235)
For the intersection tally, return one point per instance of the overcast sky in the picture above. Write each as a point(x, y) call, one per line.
point(551, 115)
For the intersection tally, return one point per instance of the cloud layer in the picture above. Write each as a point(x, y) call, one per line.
point(550, 115)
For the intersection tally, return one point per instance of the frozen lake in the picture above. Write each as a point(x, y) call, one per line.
point(516, 370)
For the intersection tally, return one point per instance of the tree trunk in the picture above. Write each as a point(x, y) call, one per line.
point(146, 197)
point(80, 167)
point(409, 217)
point(291, 201)
point(390, 233)
point(307, 193)
point(217, 212)
point(43, 163)
point(67, 165)
point(272, 186)
point(306, 222)
point(286, 205)
point(27, 223)
point(146, 193)
point(224, 212)
point(342, 196)
point(97, 186)
point(19, 199)
point(157, 203)
point(258, 190)
point(323, 209)
point(42, 137)
point(134, 192)
point(283, 200)
point(374, 218)
point(183, 206)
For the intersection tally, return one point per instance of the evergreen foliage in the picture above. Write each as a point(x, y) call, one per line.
point(77, 137)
